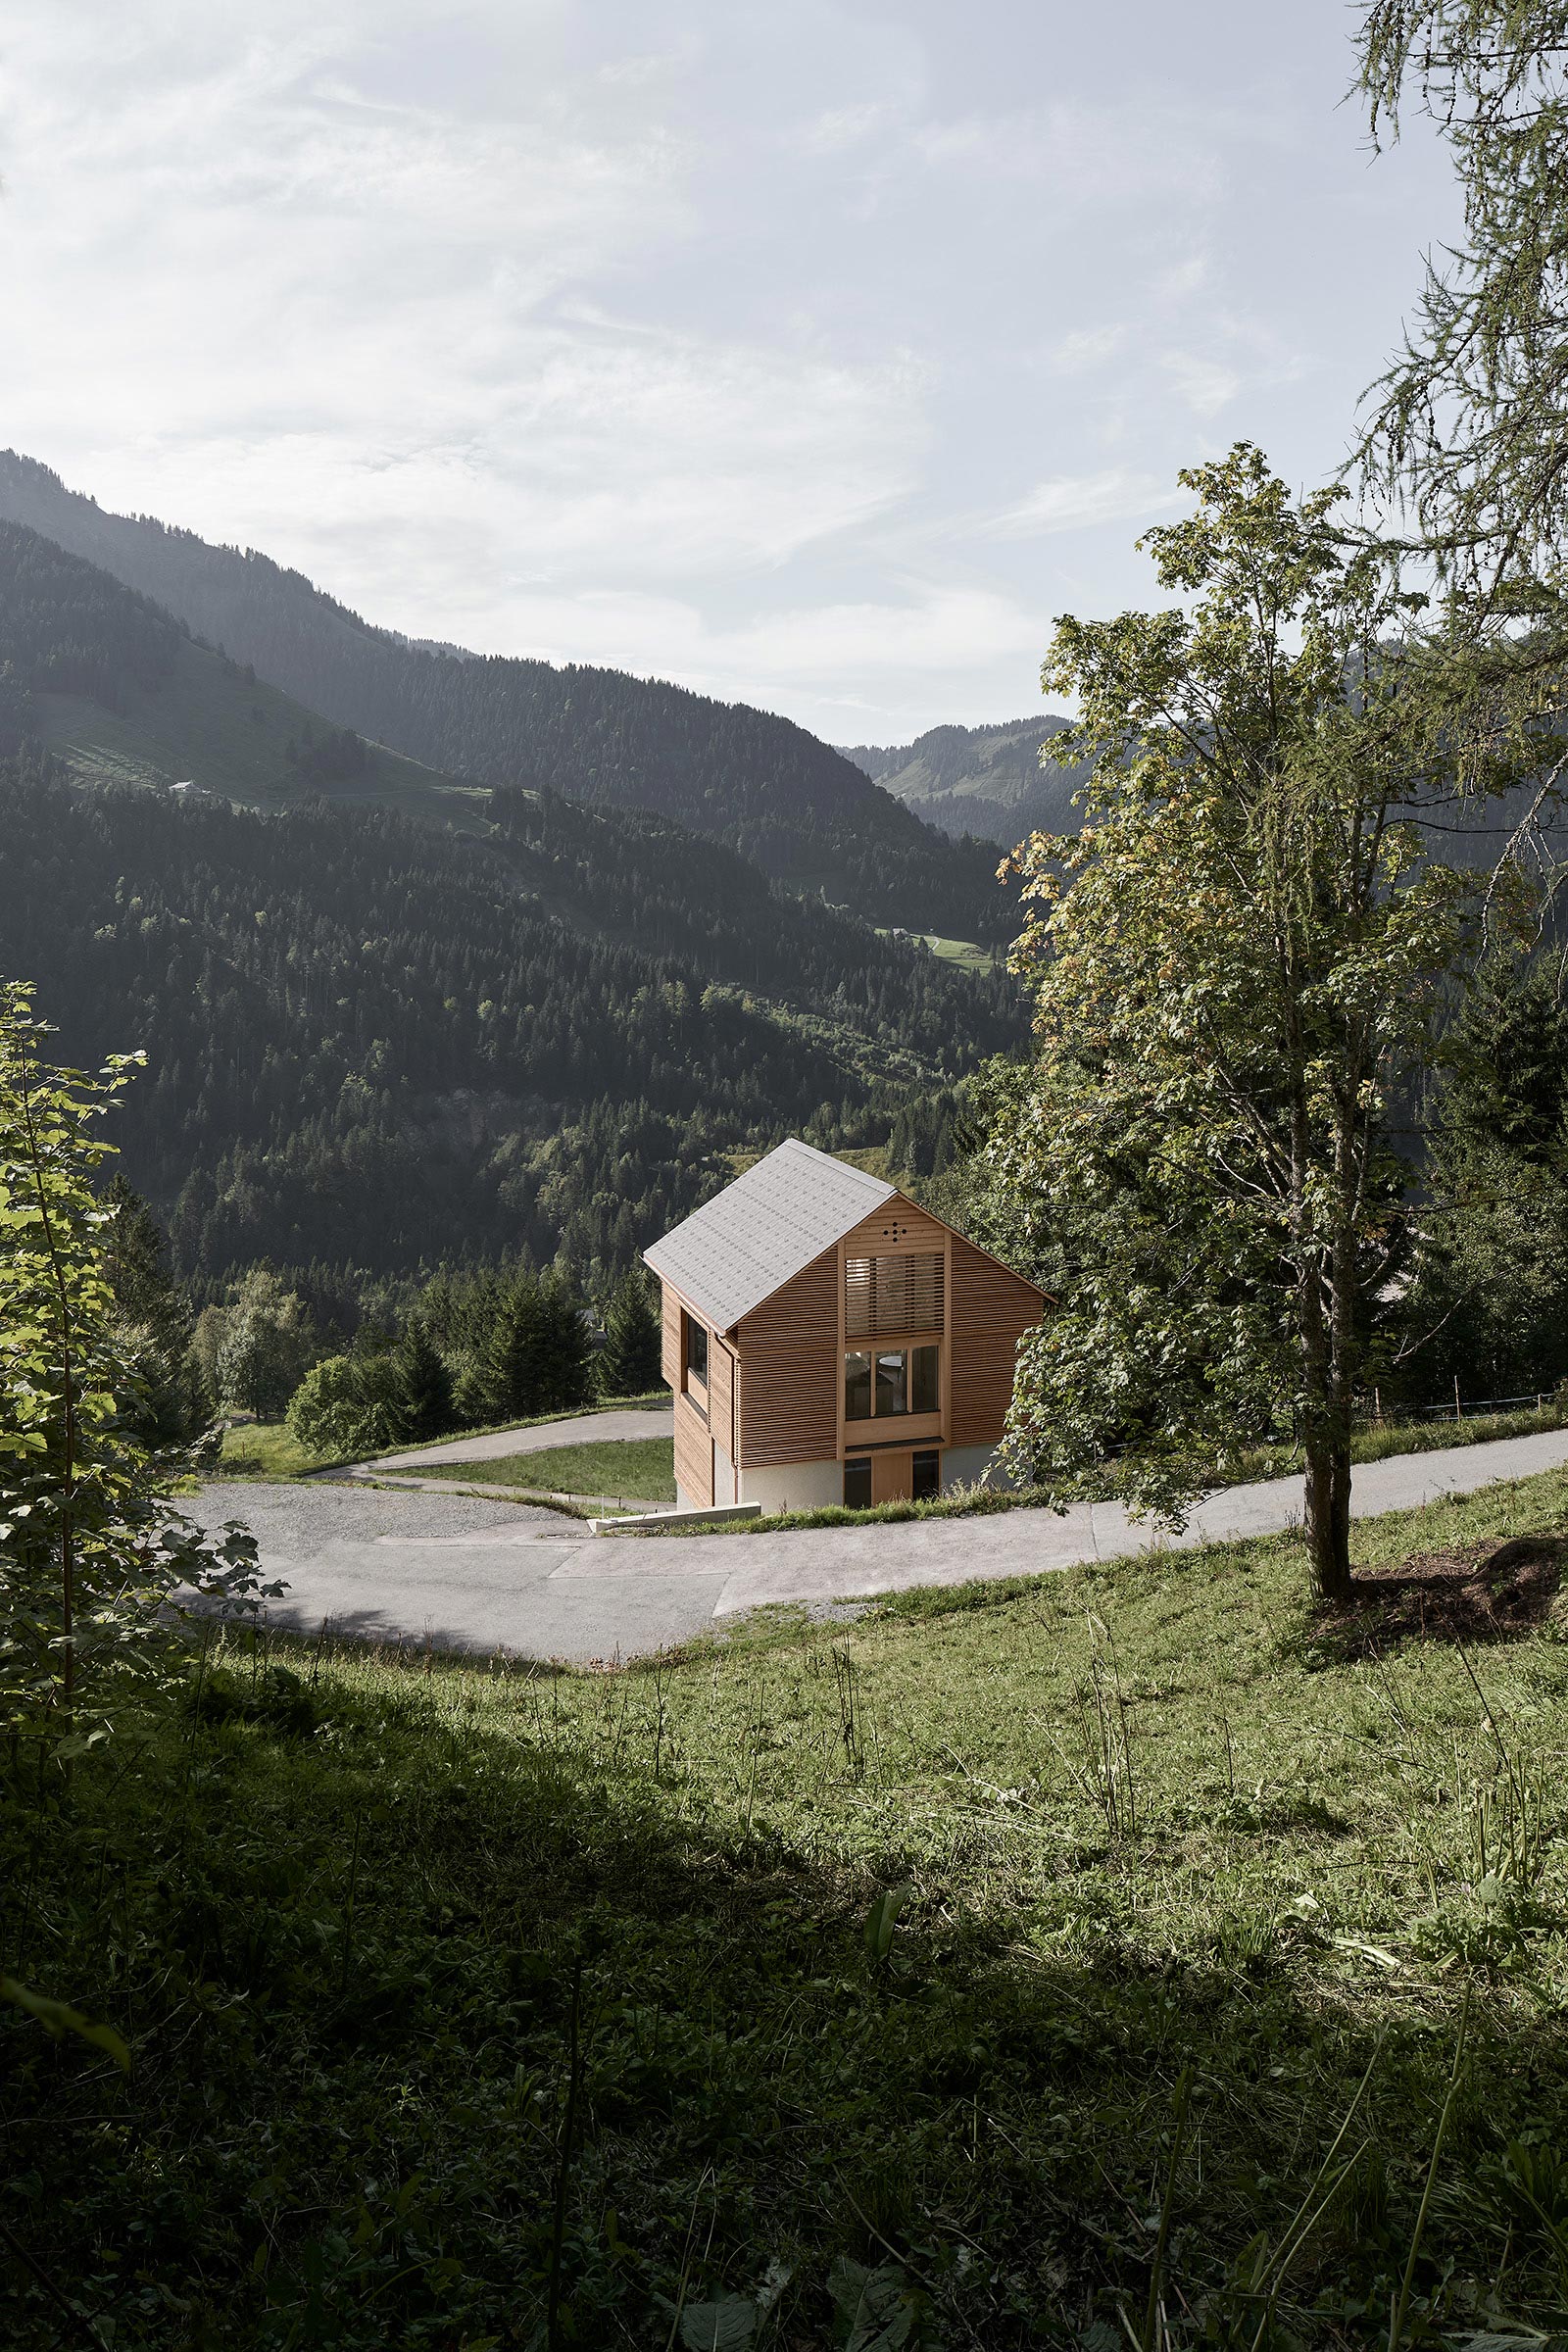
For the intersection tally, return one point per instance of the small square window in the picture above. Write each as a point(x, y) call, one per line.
point(926, 1473)
point(858, 1482)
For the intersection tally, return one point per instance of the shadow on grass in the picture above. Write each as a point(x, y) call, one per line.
point(441, 2008)
point(1473, 1593)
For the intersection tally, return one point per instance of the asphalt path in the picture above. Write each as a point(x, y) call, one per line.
point(467, 1572)
point(625, 1421)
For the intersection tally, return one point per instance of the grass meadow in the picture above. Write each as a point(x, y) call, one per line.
point(637, 1469)
point(1125, 1957)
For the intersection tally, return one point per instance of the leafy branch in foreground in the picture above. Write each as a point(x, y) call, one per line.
point(91, 1554)
point(1235, 967)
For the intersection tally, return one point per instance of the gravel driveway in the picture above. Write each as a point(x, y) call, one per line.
point(475, 1574)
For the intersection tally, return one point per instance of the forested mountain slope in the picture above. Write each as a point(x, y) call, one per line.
point(370, 1042)
point(747, 776)
point(985, 780)
point(122, 691)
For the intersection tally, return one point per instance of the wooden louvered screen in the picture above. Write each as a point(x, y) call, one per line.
point(887, 1294)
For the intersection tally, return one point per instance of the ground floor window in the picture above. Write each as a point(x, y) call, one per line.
point(858, 1482)
point(926, 1475)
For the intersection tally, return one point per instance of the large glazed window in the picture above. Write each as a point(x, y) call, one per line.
point(890, 1383)
point(883, 1295)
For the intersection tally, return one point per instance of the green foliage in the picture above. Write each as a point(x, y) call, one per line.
point(332, 1416)
point(501, 1075)
point(629, 1362)
point(89, 1551)
point(337, 1908)
point(424, 1391)
point(265, 1342)
point(171, 1404)
point(1488, 1302)
point(1467, 424)
point(1235, 965)
point(538, 1352)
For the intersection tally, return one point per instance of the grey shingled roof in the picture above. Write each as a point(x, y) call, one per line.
point(764, 1229)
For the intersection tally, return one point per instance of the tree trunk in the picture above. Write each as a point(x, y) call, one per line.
point(1328, 1517)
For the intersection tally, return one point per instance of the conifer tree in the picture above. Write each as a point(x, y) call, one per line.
point(629, 1365)
point(425, 1386)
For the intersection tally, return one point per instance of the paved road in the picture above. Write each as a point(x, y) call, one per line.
point(628, 1421)
point(473, 1574)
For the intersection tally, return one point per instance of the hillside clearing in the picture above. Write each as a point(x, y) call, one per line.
point(888, 1948)
point(640, 1469)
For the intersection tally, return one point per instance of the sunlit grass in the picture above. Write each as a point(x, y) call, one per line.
point(633, 1469)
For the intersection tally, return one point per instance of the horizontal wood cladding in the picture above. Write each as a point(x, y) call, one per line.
point(990, 1310)
point(694, 1454)
point(900, 1291)
point(896, 1225)
point(790, 1372)
point(721, 1397)
point(669, 1350)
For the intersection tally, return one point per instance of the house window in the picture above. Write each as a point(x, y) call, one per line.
point(922, 1380)
point(926, 1475)
point(857, 1389)
point(696, 1354)
point(894, 1382)
point(858, 1482)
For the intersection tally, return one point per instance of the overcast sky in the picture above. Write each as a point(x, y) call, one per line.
point(812, 354)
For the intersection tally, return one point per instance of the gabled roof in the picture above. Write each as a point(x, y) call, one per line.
point(764, 1229)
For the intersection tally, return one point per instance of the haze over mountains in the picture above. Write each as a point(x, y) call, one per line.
point(986, 780)
point(394, 1014)
point(748, 778)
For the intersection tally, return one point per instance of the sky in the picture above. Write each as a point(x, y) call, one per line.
point(814, 355)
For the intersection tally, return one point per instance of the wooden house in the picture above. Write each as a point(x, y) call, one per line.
point(828, 1341)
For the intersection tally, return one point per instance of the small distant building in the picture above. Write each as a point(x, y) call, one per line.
point(828, 1341)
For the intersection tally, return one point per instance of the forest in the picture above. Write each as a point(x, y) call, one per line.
point(746, 776)
point(371, 1044)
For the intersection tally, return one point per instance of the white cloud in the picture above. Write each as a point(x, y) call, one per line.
point(682, 336)
point(1081, 502)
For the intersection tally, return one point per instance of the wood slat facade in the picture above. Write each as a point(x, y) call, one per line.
point(790, 1371)
point(991, 1308)
point(898, 1280)
point(694, 1454)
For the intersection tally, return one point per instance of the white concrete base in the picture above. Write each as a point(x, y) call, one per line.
point(796, 1487)
point(973, 1466)
point(722, 1515)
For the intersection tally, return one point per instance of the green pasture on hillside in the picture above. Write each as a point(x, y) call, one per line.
point(638, 1469)
point(1012, 1964)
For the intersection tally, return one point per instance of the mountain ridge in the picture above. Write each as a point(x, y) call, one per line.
point(986, 780)
point(746, 776)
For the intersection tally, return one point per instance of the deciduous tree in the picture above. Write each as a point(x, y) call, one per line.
point(1232, 966)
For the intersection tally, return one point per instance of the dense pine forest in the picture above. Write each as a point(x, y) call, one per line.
point(746, 776)
point(372, 1043)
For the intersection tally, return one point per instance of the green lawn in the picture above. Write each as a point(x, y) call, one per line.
point(924, 1963)
point(266, 1450)
point(633, 1469)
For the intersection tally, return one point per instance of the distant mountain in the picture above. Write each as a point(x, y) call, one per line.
point(521, 1021)
point(985, 780)
point(748, 778)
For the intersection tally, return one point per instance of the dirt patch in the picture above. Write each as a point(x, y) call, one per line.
point(1474, 1592)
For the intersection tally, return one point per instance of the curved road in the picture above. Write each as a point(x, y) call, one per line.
point(466, 1572)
